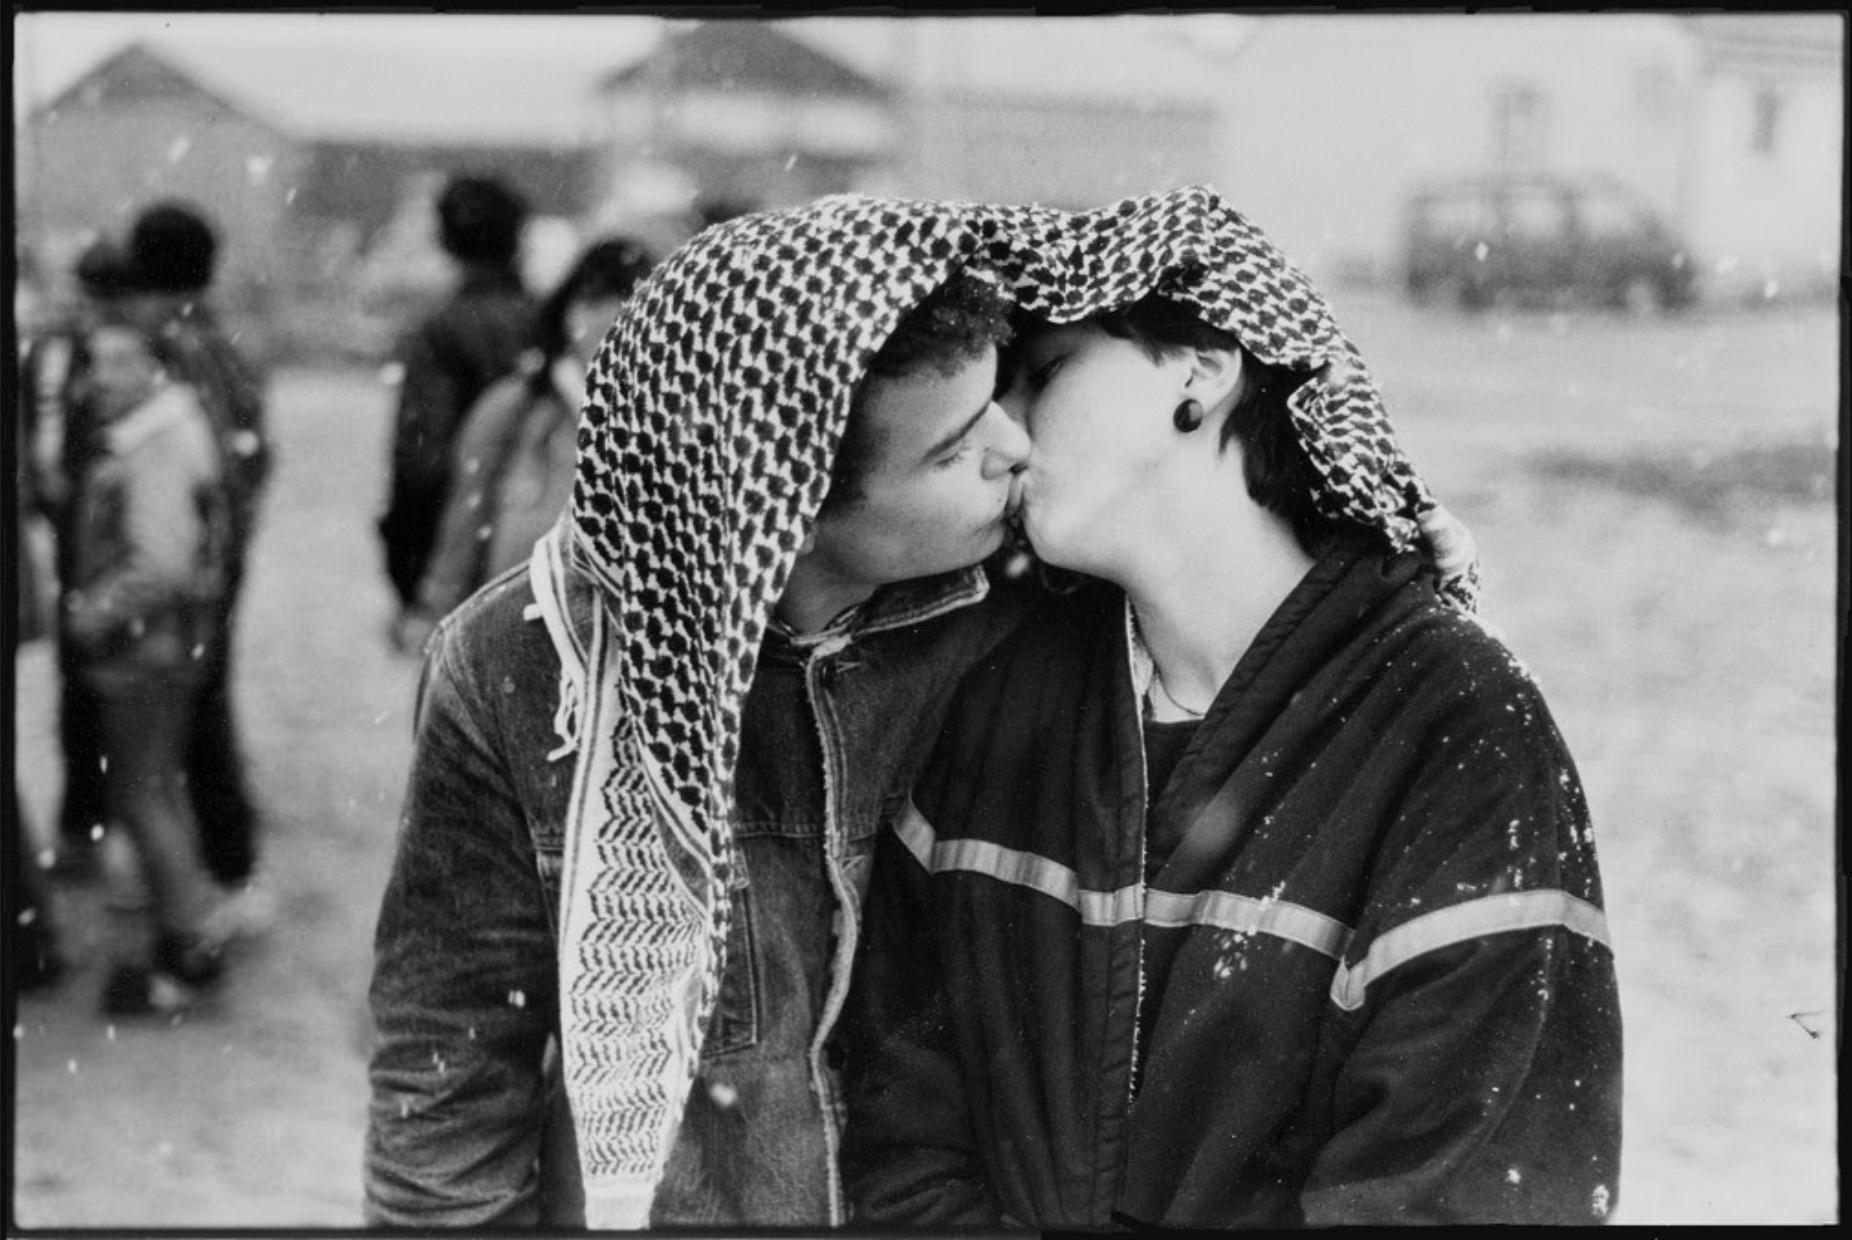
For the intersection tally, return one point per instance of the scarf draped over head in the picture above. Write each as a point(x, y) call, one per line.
point(1191, 247)
point(711, 420)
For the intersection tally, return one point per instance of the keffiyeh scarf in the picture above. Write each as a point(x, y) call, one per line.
point(711, 419)
point(1191, 247)
point(710, 424)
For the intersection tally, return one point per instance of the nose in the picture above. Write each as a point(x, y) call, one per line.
point(1009, 445)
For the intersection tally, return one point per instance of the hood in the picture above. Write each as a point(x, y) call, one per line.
point(1190, 246)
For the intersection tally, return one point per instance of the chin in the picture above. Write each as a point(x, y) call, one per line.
point(992, 539)
point(1060, 552)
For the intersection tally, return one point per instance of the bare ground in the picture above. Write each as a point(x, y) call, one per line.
point(1660, 547)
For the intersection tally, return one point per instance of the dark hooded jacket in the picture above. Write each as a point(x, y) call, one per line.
point(1367, 982)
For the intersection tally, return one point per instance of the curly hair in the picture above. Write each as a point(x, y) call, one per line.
point(950, 328)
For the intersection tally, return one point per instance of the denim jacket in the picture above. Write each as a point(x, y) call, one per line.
point(467, 1123)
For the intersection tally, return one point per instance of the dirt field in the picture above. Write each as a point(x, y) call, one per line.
point(1655, 507)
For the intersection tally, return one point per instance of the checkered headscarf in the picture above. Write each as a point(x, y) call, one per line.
point(1191, 247)
point(711, 421)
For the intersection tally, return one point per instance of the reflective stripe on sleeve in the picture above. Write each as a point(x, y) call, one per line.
point(1281, 919)
point(1513, 910)
point(1220, 909)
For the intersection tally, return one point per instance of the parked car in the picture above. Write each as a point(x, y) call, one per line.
point(1543, 239)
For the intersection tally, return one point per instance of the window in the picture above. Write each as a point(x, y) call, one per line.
point(1652, 93)
point(1520, 127)
point(1460, 215)
point(1537, 215)
point(1607, 215)
point(1767, 127)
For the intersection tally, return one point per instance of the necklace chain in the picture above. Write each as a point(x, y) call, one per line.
point(1157, 678)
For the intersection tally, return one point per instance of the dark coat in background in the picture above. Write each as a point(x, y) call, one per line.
point(448, 361)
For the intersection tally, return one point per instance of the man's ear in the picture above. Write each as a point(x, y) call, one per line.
point(810, 540)
point(1214, 377)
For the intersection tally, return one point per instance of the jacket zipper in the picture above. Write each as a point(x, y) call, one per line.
point(843, 953)
point(1144, 804)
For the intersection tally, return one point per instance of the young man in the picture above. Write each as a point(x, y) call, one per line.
point(172, 256)
point(163, 275)
point(586, 696)
point(448, 359)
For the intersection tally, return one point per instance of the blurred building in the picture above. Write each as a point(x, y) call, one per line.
point(1069, 112)
point(303, 172)
point(321, 167)
point(748, 114)
point(1731, 126)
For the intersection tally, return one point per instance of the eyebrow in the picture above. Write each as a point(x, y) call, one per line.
point(954, 436)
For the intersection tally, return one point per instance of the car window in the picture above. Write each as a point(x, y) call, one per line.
point(1536, 214)
point(1460, 214)
point(1605, 215)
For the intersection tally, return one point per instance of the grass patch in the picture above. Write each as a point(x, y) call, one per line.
point(1703, 482)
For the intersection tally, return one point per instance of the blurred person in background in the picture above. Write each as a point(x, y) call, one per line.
point(59, 438)
point(162, 277)
point(172, 254)
point(151, 528)
point(511, 470)
point(1250, 884)
point(32, 951)
point(446, 362)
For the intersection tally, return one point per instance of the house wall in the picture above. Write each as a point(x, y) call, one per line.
point(88, 169)
point(1762, 219)
point(751, 146)
point(1078, 151)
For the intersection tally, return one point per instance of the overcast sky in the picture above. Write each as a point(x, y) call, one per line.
point(52, 49)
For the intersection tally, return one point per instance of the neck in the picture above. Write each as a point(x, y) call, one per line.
point(1201, 601)
point(814, 595)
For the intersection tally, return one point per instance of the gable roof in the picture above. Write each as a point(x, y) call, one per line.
point(364, 94)
point(137, 73)
point(744, 54)
point(1771, 42)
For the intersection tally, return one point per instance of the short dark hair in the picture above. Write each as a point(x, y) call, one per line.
point(102, 270)
point(949, 328)
point(171, 249)
point(612, 267)
point(479, 219)
point(1279, 475)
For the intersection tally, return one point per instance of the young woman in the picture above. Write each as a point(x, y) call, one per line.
point(151, 533)
point(513, 463)
point(1251, 883)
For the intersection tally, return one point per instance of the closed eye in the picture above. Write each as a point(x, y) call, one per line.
point(959, 452)
point(1039, 377)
